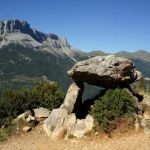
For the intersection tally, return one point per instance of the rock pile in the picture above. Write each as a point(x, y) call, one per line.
point(29, 119)
point(60, 124)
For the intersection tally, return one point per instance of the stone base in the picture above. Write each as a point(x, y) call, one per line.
point(61, 124)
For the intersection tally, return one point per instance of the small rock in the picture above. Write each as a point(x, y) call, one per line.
point(26, 129)
point(41, 112)
point(30, 118)
point(23, 116)
point(96, 133)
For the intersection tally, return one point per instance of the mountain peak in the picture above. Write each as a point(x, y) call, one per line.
point(13, 25)
point(15, 31)
point(19, 26)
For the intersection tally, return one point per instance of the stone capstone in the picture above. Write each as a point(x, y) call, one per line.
point(105, 71)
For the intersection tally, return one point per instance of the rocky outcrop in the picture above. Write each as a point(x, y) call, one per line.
point(13, 26)
point(16, 31)
point(105, 71)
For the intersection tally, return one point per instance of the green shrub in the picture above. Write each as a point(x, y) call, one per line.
point(5, 132)
point(43, 94)
point(112, 106)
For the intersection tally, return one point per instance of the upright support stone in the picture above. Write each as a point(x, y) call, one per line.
point(73, 98)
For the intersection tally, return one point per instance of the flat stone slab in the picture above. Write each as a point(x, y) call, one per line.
point(105, 71)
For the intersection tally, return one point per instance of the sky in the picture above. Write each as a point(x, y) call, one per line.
point(107, 25)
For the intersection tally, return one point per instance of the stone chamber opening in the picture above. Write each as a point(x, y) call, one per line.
point(89, 95)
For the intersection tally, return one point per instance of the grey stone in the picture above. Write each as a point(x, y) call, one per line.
point(89, 121)
point(83, 126)
point(41, 112)
point(70, 124)
point(57, 118)
point(80, 127)
point(106, 71)
point(73, 97)
point(23, 116)
point(30, 118)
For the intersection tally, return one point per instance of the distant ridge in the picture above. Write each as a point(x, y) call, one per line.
point(27, 54)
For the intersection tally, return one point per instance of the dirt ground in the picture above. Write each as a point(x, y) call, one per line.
point(38, 140)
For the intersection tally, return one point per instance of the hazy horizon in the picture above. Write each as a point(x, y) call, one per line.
point(88, 25)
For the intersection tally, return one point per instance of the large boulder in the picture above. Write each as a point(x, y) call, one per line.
point(105, 71)
point(56, 119)
point(83, 127)
point(70, 124)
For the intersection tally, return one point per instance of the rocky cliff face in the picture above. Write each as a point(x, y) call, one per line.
point(20, 32)
point(31, 54)
point(15, 26)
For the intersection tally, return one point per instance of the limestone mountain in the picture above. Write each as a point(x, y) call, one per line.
point(27, 54)
point(20, 32)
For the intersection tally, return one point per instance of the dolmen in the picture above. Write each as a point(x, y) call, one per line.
point(104, 71)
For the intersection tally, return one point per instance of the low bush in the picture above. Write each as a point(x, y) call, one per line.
point(111, 107)
point(7, 131)
point(43, 94)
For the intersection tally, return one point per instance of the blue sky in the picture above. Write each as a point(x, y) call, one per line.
point(108, 25)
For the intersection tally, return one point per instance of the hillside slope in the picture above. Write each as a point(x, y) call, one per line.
point(27, 54)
